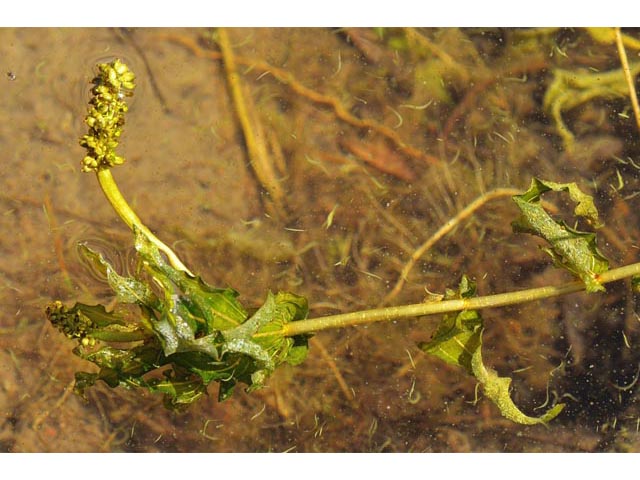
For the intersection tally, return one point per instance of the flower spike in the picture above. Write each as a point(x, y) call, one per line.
point(105, 119)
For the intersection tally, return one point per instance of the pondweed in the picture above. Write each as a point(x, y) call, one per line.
point(186, 334)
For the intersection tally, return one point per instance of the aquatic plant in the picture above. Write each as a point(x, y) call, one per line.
point(181, 334)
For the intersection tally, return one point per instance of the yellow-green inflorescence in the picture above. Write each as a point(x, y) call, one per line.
point(105, 119)
point(72, 324)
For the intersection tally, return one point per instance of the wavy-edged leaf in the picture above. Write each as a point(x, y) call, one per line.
point(570, 249)
point(193, 334)
point(218, 307)
point(456, 337)
point(458, 341)
point(496, 389)
point(127, 289)
point(261, 337)
point(265, 326)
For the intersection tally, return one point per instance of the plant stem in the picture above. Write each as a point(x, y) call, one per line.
point(120, 205)
point(444, 230)
point(124, 337)
point(446, 306)
point(628, 75)
point(254, 135)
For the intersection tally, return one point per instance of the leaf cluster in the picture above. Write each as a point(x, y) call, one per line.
point(185, 335)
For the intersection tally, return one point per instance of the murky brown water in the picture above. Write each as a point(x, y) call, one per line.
point(394, 132)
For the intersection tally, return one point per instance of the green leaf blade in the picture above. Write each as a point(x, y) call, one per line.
point(458, 341)
point(127, 289)
point(219, 308)
point(497, 389)
point(570, 249)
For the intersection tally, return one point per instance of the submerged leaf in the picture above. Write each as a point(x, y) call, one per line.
point(127, 289)
point(261, 337)
point(456, 338)
point(218, 307)
point(458, 341)
point(189, 332)
point(570, 249)
point(496, 388)
point(264, 328)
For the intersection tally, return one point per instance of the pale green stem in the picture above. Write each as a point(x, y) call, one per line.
point(446, 306)
point(115, 336)
point(120, 205)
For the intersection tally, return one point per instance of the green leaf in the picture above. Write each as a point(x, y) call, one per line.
point(179, 392)
point(456, 338)
point(496, 389)
point(264, 328)
point(570, 249)
point(192, 334)
point(127, 289)
point(219, 308)
point(458, 341)
point(120, 367)
point(261, 337)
